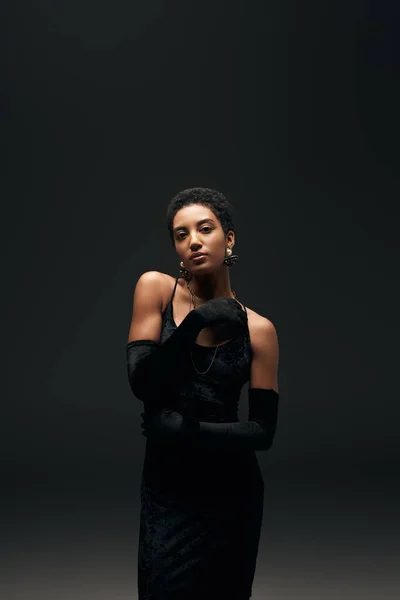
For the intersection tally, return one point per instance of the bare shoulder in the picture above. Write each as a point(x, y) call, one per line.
point(156, 276)
point(167, 283)
point(265, 348)
point(261, 329)
point(153, 278)
point(258, 320)
point(152, 282)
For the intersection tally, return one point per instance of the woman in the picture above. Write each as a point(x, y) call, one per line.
point(191, 347)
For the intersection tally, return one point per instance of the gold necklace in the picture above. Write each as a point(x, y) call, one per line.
point(217, 346)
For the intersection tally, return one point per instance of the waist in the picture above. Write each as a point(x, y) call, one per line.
point(185, 460)
point(192, 471)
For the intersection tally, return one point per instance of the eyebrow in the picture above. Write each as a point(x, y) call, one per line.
point(198, 223)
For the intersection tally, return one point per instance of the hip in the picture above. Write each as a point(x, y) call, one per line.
point(193, 471)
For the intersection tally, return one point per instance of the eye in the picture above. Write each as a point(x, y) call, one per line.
point(203, 229)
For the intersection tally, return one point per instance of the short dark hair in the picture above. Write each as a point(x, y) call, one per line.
point(216, 201)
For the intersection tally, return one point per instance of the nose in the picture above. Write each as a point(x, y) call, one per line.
point(194, 243)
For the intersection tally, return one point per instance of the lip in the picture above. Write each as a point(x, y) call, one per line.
point(198, 257)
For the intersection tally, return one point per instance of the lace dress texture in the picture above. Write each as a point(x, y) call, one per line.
point(201, 508)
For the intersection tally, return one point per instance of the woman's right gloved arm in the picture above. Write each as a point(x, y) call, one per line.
point(152, 366)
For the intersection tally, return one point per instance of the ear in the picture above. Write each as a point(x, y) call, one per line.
point(230, 237)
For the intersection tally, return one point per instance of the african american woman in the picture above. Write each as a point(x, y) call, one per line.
point(192, 345)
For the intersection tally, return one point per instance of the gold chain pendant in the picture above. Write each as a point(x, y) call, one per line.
point(218, 345)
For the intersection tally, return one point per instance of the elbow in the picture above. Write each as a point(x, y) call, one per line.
point(135, 387)
point(141, 388)
point(266, 442)
point(268, 437)
point(264, 446)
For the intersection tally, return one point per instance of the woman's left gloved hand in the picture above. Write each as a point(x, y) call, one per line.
point(257, 433)
point(167, 424)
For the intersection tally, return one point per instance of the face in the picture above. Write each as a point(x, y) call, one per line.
point(197, 229)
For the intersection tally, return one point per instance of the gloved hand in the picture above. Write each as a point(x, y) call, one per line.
point(153, 366)
point(221, 310)
point(256, 433)
point(168, 425)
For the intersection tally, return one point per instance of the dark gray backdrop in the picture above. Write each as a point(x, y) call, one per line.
point(291, 110)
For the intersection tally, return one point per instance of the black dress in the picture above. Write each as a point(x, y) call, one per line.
point(201, 509)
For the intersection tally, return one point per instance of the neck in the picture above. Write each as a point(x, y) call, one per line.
point(211, 285)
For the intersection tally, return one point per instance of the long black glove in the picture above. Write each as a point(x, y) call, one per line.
point(257, 433)
point(152, 366)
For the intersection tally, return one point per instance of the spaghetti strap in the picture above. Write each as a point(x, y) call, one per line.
point(173, 293)
point(245, 309)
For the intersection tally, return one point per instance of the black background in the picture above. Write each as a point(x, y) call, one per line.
point(291, 110)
